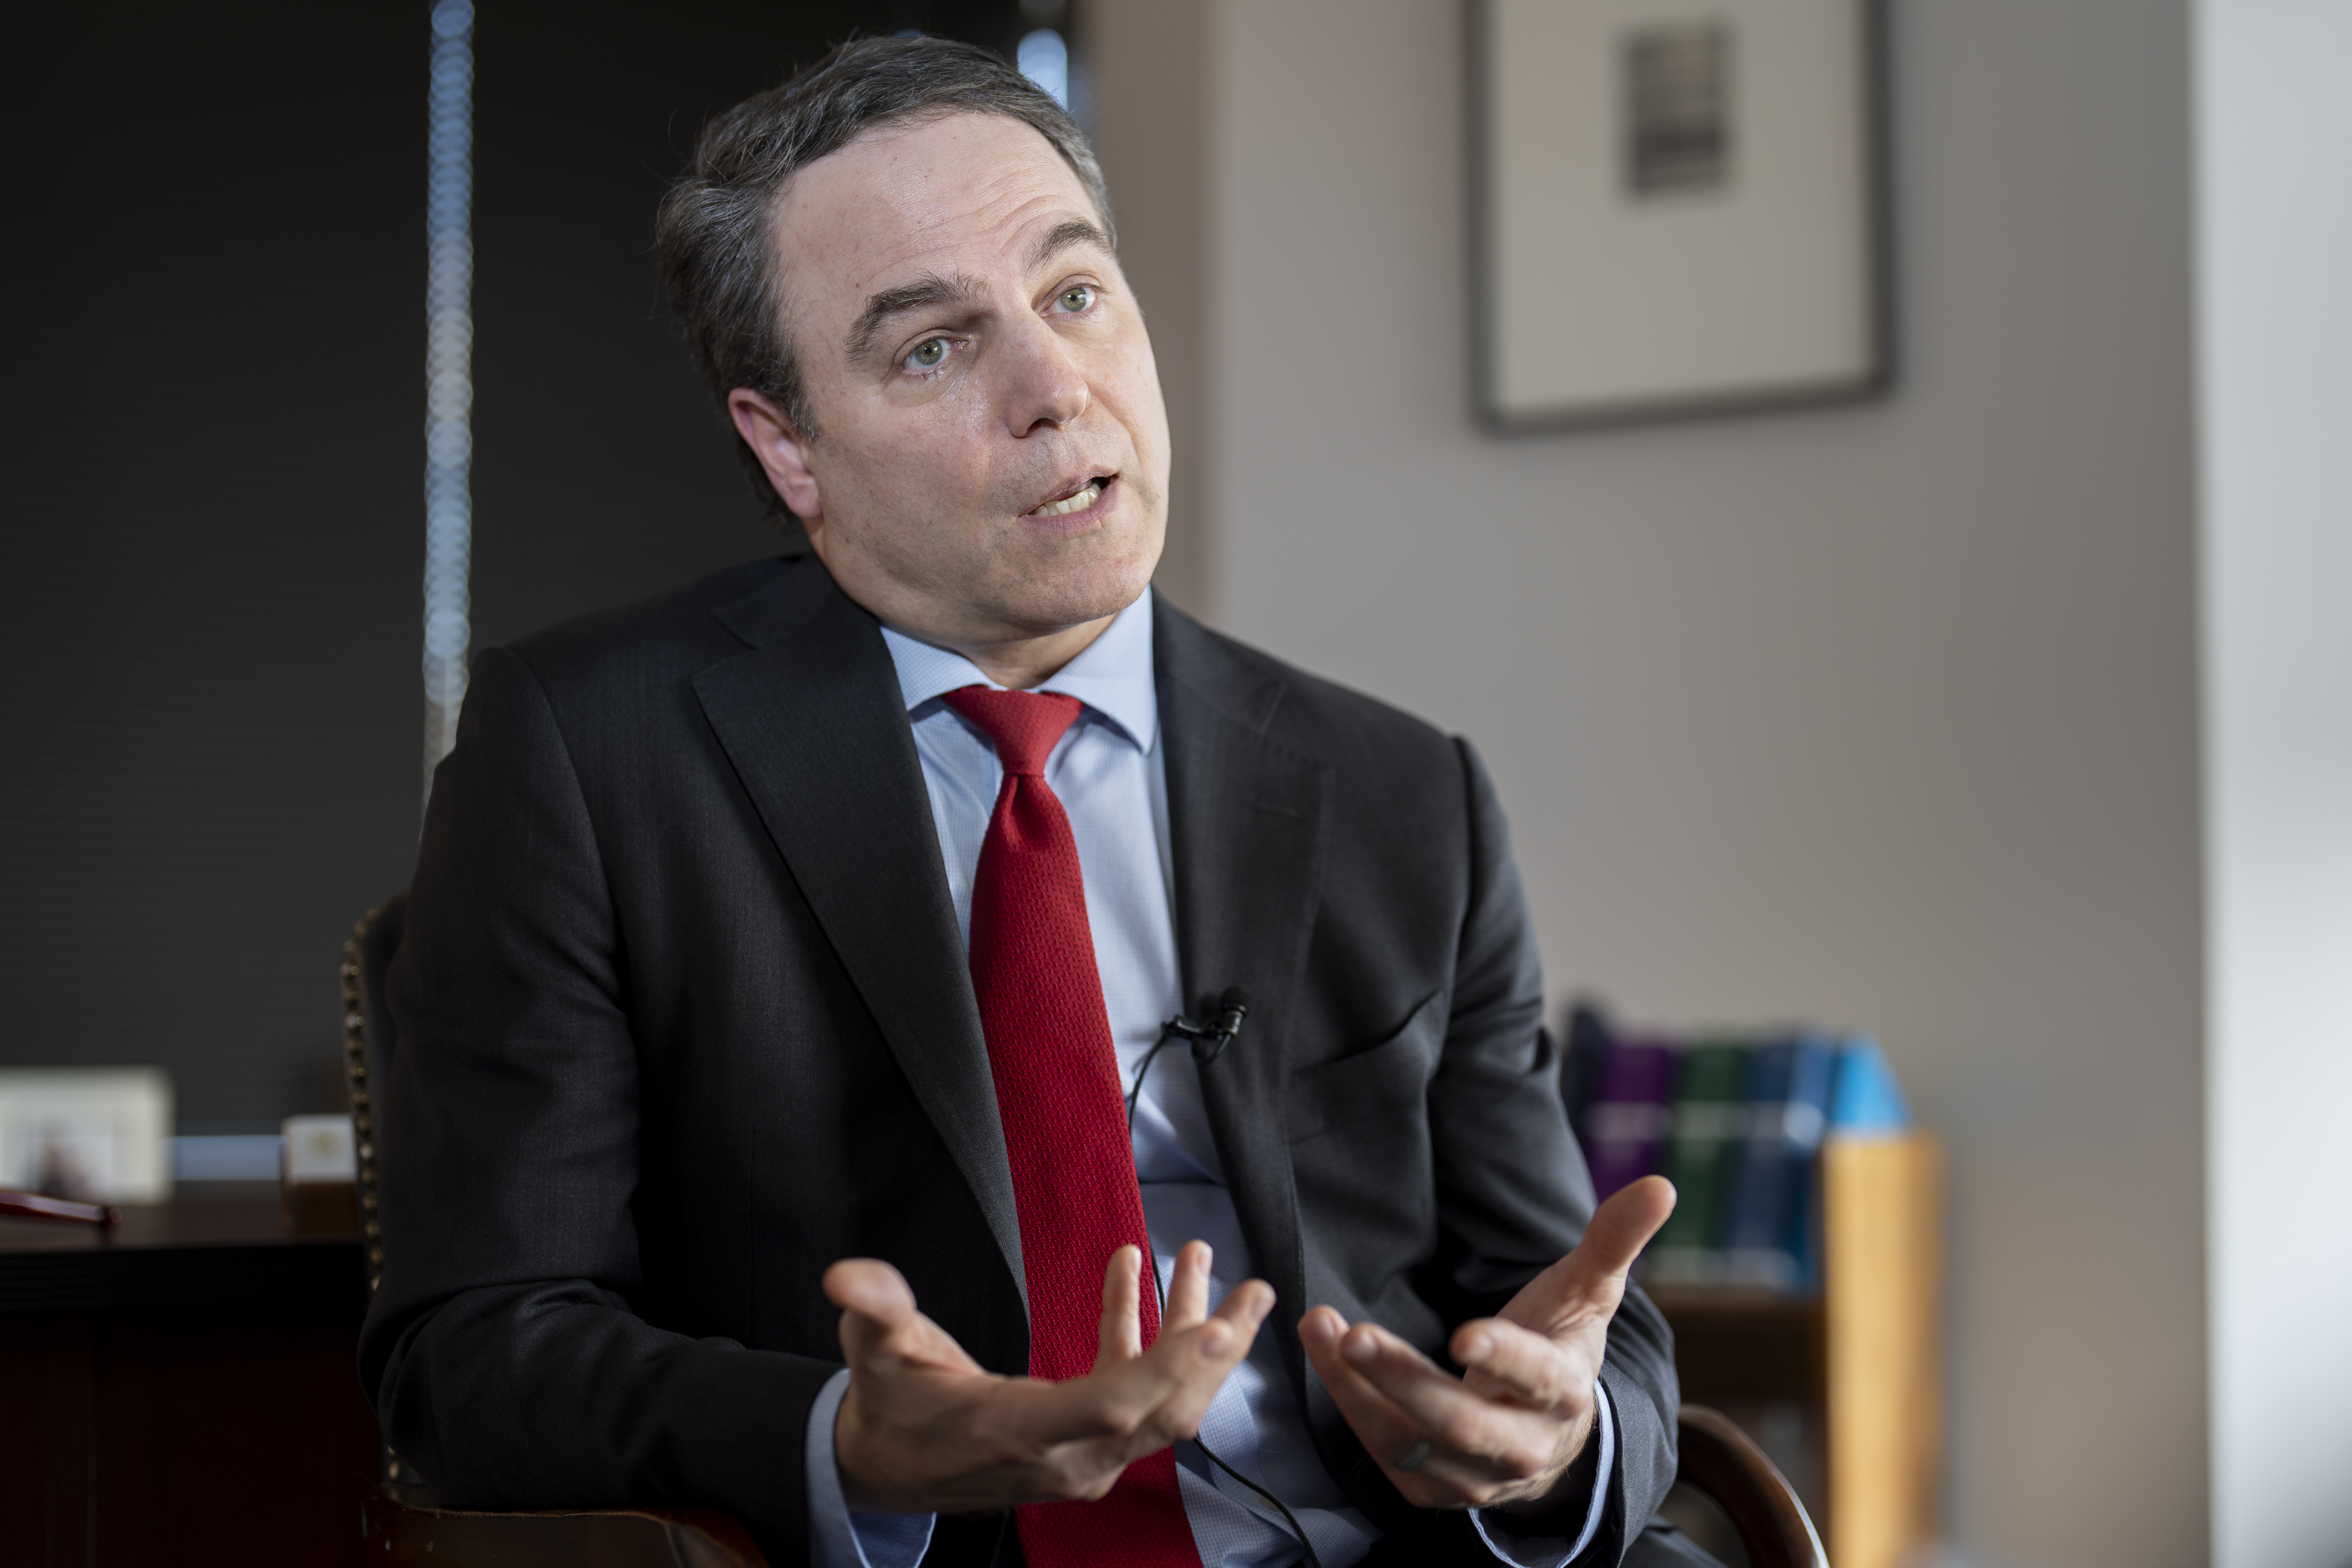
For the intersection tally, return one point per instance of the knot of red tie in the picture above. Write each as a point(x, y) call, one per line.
point(1023, 725)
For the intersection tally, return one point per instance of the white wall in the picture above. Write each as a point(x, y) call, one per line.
point(2275, 258)
point(1883, 715)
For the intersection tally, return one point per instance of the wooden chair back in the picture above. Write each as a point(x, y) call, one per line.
point(399, 1529)
point(1719, 1460)
point(369, 1041)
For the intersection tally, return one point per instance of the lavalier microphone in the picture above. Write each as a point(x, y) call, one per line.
point(1210, 1040)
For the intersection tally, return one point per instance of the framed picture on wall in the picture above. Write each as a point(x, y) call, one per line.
point(1680, 208)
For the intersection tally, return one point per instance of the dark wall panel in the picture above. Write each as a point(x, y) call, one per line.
point(213, 280)
point(602, 471)
point(212, 543)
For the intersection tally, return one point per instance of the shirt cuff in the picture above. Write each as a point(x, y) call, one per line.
point(837, 1537)
point(1558, 1551)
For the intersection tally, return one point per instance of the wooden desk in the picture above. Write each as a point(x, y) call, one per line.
point(183, 1388)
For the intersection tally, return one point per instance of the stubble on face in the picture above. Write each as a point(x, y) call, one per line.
point(968, 236)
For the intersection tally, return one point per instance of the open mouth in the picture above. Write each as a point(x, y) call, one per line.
point(1078, 499)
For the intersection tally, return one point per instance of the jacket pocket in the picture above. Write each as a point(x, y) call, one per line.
point(1379, 1080)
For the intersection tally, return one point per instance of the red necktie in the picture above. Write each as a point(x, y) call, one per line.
point(1057, 1093)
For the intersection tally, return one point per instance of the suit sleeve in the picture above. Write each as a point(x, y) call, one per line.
point(501, 1351)
point(1513, 1191)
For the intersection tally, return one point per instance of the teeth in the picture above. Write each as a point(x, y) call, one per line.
point(1078, 503)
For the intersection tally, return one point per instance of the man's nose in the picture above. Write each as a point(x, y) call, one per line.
point(1044, 385)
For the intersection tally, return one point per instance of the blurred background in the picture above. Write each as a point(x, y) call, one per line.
point(2007, 716)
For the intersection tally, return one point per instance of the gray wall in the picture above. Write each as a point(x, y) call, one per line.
point(1882, 716)
point(1150, 63)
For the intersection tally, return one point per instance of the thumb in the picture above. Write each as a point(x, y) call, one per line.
point(875, 1300)
point(880, 1324)
point(870, 1289)
point(1592, 1279)
point(1623, 1225)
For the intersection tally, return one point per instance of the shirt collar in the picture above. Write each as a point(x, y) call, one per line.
point(1113, 676)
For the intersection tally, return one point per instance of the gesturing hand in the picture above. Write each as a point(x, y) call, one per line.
point(923, 1429)
point(1505, 1435)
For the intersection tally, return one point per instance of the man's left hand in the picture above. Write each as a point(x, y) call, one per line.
point(1506, 1434)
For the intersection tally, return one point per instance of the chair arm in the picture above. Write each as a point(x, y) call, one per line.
point(1717, 1459)
point(407, 1529)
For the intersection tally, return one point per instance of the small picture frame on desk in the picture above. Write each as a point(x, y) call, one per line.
point(1681, 208)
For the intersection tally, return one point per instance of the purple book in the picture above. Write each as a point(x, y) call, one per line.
point(1630, 1113)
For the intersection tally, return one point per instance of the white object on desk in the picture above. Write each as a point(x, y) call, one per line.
point(93, 1134)
point(319, 1149)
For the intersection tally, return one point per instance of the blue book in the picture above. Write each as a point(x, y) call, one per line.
point(1766, 1226)
point(1588, 1042)
point(1868, 1100)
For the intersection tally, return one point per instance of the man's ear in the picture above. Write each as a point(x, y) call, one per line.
point(781, 450)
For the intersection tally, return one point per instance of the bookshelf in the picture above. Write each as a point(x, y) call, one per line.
point(1843, 1388)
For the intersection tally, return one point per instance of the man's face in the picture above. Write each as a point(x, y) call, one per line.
point(973, 361)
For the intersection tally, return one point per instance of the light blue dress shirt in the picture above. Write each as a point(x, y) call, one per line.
point(1110, 773)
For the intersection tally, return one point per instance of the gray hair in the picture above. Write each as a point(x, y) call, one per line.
point(714, 239)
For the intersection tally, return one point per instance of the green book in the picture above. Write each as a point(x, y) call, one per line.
point(1710, 1119)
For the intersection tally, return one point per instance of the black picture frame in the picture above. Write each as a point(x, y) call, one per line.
point(1866, 371)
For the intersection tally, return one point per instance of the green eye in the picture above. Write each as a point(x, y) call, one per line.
point(928, 353)
point(1077, 299)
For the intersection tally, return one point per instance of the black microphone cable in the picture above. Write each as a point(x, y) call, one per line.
point(1209, 1042)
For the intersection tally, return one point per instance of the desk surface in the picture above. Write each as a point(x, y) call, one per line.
point(218, 1242)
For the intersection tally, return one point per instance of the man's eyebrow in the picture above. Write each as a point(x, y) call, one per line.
point(1064, 234)
point(925, 294)
point(931, 290)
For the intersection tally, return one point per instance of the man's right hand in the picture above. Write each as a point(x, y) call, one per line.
point(924, 1429)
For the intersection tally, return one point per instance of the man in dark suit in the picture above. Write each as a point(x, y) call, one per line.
point(781, 1118)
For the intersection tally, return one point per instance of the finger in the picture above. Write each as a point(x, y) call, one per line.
point(881, 1326)
point(1320, 1329)
point(1476, 1444)
point(1246, 1305)
point(1591, 1280)
point(1138, 1405)
point(1386, 1430)
point(1188, 1287)
point(1505, 1361)
point(1244, 1311)
point(1121, 1334)
point(1478, 1452)
point(1625, 1224)
point(875, 1300)
point(1439, 1407)
point(1199, 1358)
point(1387, 1433)
point(871, 1288)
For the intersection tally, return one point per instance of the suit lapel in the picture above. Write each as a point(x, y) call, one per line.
point(811, 718)
point(1249, 824)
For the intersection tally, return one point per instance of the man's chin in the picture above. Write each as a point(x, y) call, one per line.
point(1051, 616)
point(1072, 588)
point(1018, 588)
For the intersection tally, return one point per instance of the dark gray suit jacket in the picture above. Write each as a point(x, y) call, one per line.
point(684, 1016)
